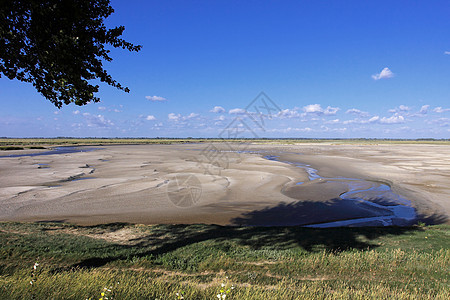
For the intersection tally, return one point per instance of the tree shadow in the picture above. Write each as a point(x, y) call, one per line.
point(251, 230)
point(168, 238)
point(433, 219)
point(312, 212)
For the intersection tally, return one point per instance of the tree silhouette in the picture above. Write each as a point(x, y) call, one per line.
point(59, 46)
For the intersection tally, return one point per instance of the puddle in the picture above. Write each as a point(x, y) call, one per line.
point(77, 178)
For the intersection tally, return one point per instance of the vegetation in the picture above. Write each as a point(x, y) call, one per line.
point(123, 261)
point(33, 142)
point(6, 148)
point(59, 47)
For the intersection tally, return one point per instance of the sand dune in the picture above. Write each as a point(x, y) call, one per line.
point(196, 183)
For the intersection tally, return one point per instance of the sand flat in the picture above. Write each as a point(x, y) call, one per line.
point(196, 183)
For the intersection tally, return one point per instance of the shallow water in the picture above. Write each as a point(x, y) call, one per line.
point(378, 198)
point(56, 150)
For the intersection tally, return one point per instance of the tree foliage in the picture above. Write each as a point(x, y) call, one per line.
point(59, 46)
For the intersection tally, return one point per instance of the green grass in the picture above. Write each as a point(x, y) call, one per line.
point(33, 142)
point(156, 262)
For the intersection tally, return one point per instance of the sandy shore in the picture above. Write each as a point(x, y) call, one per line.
point(195, 183)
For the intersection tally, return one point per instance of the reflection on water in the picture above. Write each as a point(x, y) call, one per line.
point(378, 198)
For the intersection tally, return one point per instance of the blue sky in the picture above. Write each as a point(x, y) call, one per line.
point(363, 69)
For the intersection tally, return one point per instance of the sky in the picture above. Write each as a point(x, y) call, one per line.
point(275, 69)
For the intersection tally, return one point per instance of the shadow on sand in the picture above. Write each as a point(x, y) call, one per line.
point(360, 213)
point(311, 212)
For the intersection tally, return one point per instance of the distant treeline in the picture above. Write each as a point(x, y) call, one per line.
point(32, 143)
point(216, 138)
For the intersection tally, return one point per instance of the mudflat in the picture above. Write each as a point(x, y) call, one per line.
point(221, 183)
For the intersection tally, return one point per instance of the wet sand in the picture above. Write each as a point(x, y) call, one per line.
point(197, 183)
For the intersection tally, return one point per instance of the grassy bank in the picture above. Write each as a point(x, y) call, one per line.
point(9, 143)
point(202, 261)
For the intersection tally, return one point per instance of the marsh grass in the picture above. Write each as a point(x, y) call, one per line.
point(198, 261)
point(36, 143)
point(9, 148)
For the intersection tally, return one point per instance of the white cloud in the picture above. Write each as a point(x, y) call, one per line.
point(76, 112)
point(150, 118)
point(57, 112)
point(77, 125)
point(327, 129)
point(307, 129)
point(447, 52)
point(288, 113)
point(174, 117)
point(317, 109)
point(401, 108)
point(404, 108)
point(219, 120)
point(395, 119)
point(313, 108)
point(191, 115)
point(290, 129)
point(97, 120)
point(179, 117)
point(374, 119)
point(237, 111)
point(424, 109)
point(358, 112)
point(335, 121)
point(101, 108)
point(330, 111)
point(218, 109)
point(385, 73)
point(442, 122)
point(155, 98)
point(116, 110)
point(441, 110)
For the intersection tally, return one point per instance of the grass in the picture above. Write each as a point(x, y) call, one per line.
point(6, 148)
point(32, 143)
point(157, 262)
point(126, 261)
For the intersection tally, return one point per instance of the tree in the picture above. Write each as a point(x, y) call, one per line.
point(59, 46)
